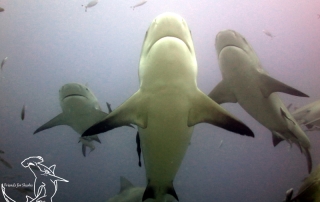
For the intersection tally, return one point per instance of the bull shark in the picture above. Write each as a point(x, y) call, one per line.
point(80, 110)
point(130, 193)
point(308, 115)
point(246, 82)
point(167, 105)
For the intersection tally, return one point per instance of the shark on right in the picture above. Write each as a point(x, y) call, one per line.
point(246, 82)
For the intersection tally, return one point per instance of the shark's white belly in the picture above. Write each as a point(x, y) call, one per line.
point(165, 141)
point(243, 82)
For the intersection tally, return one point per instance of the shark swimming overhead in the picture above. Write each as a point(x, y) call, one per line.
point(246, 82)
point(167, 105)
point(80, 110)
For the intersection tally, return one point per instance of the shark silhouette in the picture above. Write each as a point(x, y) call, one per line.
point(45, 183)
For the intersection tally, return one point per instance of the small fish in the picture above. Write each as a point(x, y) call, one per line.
point(91, 4)
point(268, 33)
point(5, 163)
point(23, 112)
point(3, 62)
point(221, 142)
point(1, 9)
point(139, 4)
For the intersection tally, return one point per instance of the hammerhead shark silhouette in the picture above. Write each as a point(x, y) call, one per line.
point(45, 183)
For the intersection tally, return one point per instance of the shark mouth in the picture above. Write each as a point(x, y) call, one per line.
point(170, 37)
point(72, 95)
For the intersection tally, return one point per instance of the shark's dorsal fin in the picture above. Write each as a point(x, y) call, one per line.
point(270, 85)
point(222, 94)
point(133, 111)
point(204, 110)
point(56, 121)
point(125, 184)
point(52, 168)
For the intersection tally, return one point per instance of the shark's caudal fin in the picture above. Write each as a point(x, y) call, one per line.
point(134, 110)
point(56, 121)
point(306, 152)
point(156, 192)
point(205, 110)
point(270, 85)
point(277, 138)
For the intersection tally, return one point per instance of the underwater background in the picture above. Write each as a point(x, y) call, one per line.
point(50, 43)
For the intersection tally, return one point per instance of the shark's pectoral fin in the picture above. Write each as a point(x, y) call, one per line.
point(133, 111)
point(222, 94)
point(270, 85)
point(152, 191)
point(56, 121)
point(204, 110)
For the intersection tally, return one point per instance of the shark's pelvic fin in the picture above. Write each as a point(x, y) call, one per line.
point(151, 190)
point(56, 121)
point(95, 138)
point(204, 110)
point(276, 139)
point(270, 85)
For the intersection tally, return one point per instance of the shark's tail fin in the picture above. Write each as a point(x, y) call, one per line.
point(306, 152)
point(158, 192)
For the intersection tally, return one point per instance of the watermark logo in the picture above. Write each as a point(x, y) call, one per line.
point(45, 183)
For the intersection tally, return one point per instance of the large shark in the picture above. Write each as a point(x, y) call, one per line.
point(309, 115)
point(130, 193)
point(246, 82)
point(80, 110)
point(168, 104)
